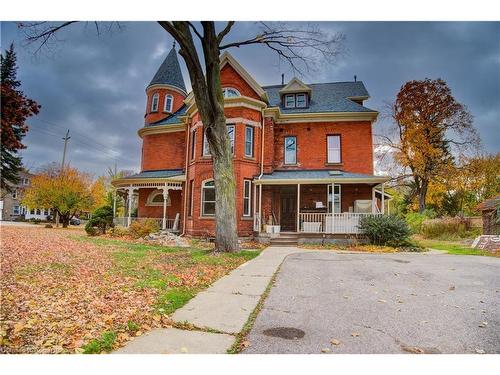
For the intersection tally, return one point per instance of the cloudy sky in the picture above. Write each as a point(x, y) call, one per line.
point(94, 85)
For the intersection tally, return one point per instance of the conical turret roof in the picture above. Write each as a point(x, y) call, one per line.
point(169, 72)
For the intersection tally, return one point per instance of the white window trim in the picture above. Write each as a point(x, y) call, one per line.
point(249, 198)
point(289, 96)
point(153, 195)
point(14, 194)
point(171, 103)
point(193, 145)
point(333, 199)
point(206, 147)
point(251, 140)
point(154, 108)
point(191, 198)
point(297, 100)
point(331, 150)
point(225, 90)
point(234, 136)
point(203, 187)
point(284, 147)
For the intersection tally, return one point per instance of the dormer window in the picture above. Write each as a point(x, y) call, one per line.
point(154, 102)
point(296, 100)
point(230, 92)
point(169, 103)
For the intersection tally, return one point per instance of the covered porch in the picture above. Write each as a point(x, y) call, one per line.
point(321, 202)
point(151, 195)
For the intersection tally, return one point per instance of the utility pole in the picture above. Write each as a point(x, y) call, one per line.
point(66, 138)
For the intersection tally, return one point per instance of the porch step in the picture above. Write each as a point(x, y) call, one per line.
point(285, 239)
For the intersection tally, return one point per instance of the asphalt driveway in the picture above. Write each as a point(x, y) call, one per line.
point(381, 303)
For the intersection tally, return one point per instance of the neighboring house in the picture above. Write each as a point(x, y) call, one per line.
point(490, 211)
point(10, 203)
point(303, 155)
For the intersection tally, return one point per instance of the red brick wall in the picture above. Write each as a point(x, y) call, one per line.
point(356, 145)
point(230, 78)
point(160, 114)
point(164, 151)
point(352, 192)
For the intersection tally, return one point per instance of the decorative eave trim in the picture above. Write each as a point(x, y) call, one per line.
point(354, 180)
point(230, 120)
point(284, 118)
point(166, 86)
point(158, 129)
point(238, 101)
point(125, 182)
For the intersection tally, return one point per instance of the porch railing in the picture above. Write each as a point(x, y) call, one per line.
point(339, 223)
point(170, 223)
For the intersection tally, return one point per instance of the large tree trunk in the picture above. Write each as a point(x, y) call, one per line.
point(422, 194)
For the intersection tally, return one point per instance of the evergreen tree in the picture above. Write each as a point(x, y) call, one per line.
point(15, 109)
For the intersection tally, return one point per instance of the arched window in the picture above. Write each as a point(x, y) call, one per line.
point(154, 102)
point(169, 103)
point(208, 198)
point(155, 198)
point(230, 92)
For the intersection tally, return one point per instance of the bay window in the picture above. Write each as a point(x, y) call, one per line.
point(249, 141)
point(247, 197)
point(208, 198)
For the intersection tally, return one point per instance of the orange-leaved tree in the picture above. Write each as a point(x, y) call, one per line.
point(68, 193)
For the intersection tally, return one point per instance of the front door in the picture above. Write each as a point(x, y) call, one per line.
point(288, 211)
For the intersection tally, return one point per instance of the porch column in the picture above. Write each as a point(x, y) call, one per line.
point(255, 208)
point(383, 199)
point(260, 207)
point(374, 202)
point(298, 208)
point(114, 203)
point(130, 193)
point(165, 199)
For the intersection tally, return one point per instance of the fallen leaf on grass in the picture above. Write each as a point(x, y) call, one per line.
point(413, 349)
point(325, 350)
point(483, 324)
point(382, 301)
point(335, 342)
point(355, 334)
point(480, 351)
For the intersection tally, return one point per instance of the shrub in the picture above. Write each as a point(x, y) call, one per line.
point(448, 228)
point(48, 226)
point(101, 219)
point(415, 219)
point(104, 343)
point(141, 228)
point(35, 220)
point(119, 232)
point(385, 230)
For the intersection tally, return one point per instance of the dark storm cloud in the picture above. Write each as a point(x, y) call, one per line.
point(94, 85)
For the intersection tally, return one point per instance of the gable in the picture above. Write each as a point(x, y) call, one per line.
point(231, 78)
point(295, 85)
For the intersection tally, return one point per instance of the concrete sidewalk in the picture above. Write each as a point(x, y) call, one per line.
point(225, 306)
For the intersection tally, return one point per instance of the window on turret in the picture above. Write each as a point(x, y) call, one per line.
point(229, 92)
point(154, 102)
point(169, 103)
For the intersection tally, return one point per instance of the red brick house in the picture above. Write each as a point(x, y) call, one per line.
point(303, 155)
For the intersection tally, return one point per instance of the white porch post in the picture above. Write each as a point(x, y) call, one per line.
point(255, 208)
point(130, 192)
point(374, 202)
point(333, 208)
point(165, 198)
point(260, 207)
point(298, 208)
point(383, 199)
point(114, 203)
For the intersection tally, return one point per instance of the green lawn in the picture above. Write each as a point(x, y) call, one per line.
point(454, 247)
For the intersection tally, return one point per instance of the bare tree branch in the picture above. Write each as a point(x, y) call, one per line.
point(224, 32)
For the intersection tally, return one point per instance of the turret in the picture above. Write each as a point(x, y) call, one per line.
point(166, 91)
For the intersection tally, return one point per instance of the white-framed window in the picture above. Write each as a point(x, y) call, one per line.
point(208, 198)
point(15, 210)
point(154, 102)
point(45, 212)
point(291, 150)
point(14, 194)
point(337, 199)
point(249, 141)
point(38, 212)
point(230, 92)
point(26, 181)
point(290, 101)
point(301, 101)
point(247, 197)
point(155, 198)
point(230, 133)
point(193, 144)
point(169, 103)
point(333, 144)
point(32, 211)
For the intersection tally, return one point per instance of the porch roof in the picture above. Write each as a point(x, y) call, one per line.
point(151, 176)
point(317, 177)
